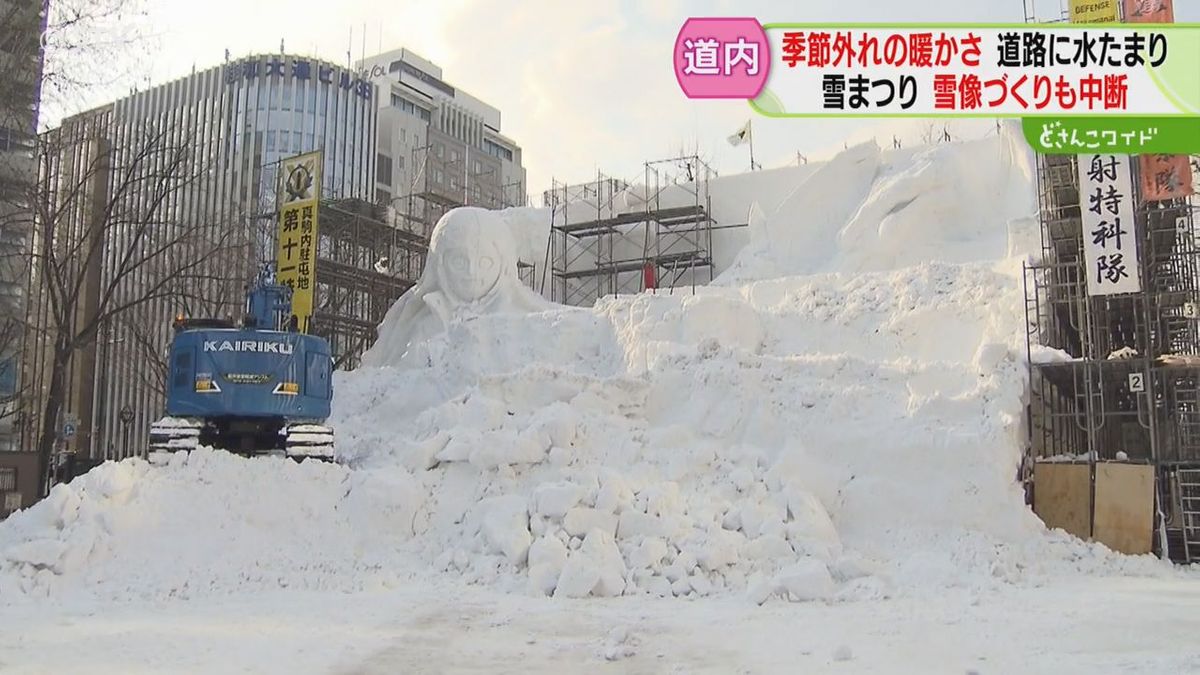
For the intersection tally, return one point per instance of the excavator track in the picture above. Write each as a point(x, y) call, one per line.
point(309, 441)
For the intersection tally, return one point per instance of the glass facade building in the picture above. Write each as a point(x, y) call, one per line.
point(235, 122)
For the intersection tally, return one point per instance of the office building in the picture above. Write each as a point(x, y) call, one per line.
point(438, 146)
point(21, 28)
point(234, 122)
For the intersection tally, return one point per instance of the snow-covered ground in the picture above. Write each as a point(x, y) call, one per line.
point(1079, 625)
point(808, 466)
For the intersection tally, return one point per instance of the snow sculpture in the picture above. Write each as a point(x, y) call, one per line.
point(471, 271)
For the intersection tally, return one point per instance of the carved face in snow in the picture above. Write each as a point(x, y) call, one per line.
point(471, 250)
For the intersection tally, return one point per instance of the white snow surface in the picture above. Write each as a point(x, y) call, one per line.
point(838, 419)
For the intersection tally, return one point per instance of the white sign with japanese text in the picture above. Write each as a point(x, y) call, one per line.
point(1110, 246)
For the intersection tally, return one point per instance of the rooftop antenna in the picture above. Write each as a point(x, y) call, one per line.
point(349, 47)
point(280, 45)
point(363, 47)
point(226, 55)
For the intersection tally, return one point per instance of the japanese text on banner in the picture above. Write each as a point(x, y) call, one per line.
point(296, 259)
point(1162, 176)
point(1110, 243)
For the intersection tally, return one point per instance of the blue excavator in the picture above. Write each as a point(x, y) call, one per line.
point(258, 388)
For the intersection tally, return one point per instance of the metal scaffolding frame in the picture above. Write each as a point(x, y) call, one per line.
point(605, 239)
point(364, 264)
point(428, 199)
point(1084, 407)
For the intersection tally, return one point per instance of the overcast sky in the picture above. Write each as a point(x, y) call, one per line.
point(581, 86)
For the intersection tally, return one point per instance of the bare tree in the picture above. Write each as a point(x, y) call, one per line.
point(60, 54)
point(929, 133)
point(109, 242)
point(55, 58)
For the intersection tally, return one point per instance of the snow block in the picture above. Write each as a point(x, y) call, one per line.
point(581, 520)
point(614, 495)
point(602, 549)
point(553, 500)
point(806, 580)
point(633, 524)
point(649, 554)
point(721, 548)
point(579, 576)
point(505, 527)
point(504, 447)
point(768, 547)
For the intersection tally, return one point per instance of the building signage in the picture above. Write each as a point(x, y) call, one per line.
point(257, 346)
point(372, 72)
point(1110, 244)
point(296, 259)
point(300, 69)
point(1094, 11)
point(377, 70)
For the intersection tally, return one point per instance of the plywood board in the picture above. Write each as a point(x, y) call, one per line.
point(1062, 496)
point(1124, 518)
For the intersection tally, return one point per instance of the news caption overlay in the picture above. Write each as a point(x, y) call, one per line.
point(1078, 88)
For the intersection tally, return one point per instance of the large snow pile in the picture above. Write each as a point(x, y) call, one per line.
point(865, 210)
point(839, 417)
point(210, 523)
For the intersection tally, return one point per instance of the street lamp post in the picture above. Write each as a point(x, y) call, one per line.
point(126, 419)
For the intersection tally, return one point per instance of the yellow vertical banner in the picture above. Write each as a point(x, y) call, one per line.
point(1095, 11)
point(296, 258)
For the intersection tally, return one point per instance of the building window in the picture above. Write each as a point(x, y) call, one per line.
point(8, 369)
point(384, 169)
point(496, 150)
point(409, 107)
point(8, 479)
point(439, 176)
point(383, 197)
point(439, 150)
point(454, 156)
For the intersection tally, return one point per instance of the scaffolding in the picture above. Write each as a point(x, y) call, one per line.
point(364, 264)
point(608, 237)
point(1126, 383)
point(442, 182)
